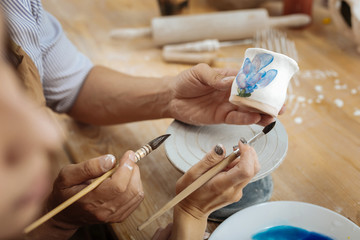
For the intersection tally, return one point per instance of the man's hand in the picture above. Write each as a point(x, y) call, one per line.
point(200, 95)
point(112, 201)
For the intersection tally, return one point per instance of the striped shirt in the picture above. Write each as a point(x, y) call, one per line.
point(61, 66)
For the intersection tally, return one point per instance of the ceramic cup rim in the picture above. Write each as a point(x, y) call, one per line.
point(272, 53)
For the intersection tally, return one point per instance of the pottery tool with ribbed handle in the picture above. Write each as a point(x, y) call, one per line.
point(139, 154)
point(205, 177)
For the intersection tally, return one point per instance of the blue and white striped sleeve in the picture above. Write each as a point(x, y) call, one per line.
point(65, 68)
point(62, 68)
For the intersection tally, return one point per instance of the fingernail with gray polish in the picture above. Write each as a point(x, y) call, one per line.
point(243, 140)
point(219, 150)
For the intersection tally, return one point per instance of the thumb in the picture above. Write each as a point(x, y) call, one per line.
point(76, 174)
point(217, 79)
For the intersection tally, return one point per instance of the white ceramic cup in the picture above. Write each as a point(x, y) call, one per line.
point(262, 82)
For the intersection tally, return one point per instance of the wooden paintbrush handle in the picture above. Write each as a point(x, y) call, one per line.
point(70, 201)
point(191, 188)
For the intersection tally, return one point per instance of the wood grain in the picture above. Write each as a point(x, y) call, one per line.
point(322, 166)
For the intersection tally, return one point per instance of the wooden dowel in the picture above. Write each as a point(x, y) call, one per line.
point(191, 188)
point(70, 201)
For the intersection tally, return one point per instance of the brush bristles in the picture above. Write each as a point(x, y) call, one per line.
point(269, 127)
point(154, 144)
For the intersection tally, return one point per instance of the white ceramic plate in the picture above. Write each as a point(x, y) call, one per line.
point(188, 144)
point(249, 221)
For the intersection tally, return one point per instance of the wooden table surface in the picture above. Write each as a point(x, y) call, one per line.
point(322, 121)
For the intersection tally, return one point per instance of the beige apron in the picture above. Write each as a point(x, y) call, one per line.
point(29, 78)
point(28, 74)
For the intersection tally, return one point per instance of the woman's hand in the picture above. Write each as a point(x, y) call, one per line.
point(190, 215)
point(223, 189)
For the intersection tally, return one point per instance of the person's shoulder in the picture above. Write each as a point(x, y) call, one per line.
point(22, 8)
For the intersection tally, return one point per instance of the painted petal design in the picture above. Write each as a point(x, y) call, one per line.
point(247, 66)
point(250, 77)
point(262, 60)
point(267, 78)
point(241, 80)
point(250, 89)
point(254, 79)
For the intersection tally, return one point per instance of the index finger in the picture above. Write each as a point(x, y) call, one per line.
point(245, 169)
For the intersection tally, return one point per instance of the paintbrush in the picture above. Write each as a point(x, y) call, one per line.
point(205, 177)
point(139, 154)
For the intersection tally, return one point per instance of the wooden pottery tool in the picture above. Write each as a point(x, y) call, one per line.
point(139, 154)
point(199, 51)
point(208, 45)
point(204, 178)
point(346, 16)
point(228, 25)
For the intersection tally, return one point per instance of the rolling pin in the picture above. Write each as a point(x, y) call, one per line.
point(228, 25)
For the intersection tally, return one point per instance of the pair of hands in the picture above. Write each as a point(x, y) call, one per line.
point(198, 96)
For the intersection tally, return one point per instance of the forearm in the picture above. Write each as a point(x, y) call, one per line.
point(110, 97)
point(186, 226)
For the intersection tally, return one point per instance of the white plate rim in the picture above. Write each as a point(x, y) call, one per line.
point(251, 211)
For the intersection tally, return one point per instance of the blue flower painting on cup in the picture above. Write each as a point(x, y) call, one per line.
point(252, 76)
